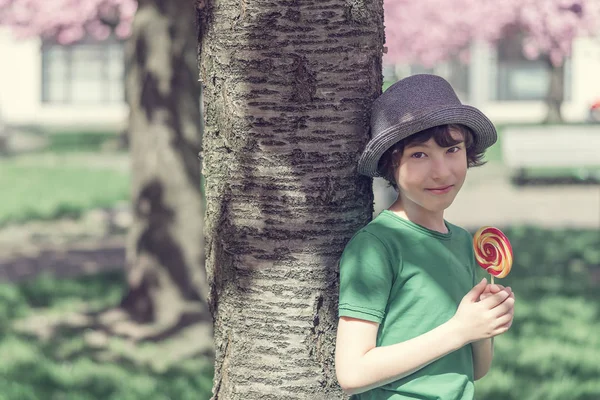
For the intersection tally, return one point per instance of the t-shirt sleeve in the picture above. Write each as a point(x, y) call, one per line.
point(366, 278)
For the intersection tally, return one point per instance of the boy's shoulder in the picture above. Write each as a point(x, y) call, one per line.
point(382, 229)
point(379, 226)
point(375, 231)
point(373, 240)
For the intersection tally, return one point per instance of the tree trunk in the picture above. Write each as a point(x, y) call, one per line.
point(556, 92)
point(287, 86)
point(165, 249)
point(3, 137)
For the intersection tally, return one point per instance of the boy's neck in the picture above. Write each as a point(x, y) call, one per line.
point(430, 220)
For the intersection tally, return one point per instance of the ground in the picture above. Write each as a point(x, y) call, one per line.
point(540, 346)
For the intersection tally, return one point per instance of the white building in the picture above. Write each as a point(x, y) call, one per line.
point(47, 84)
point(511, 89)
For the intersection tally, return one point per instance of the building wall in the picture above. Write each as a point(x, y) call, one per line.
point(479, 88)
point(21, 89)
point(21, 93)
point(584, 86)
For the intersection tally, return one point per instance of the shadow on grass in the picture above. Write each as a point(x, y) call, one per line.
point(52, 350)
point(45, 376)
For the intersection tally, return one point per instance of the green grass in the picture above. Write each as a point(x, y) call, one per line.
point(386, 85)
point(61, 142)
point(552, 350)
point(65, 367)
point(550, 353)
point(48, 186)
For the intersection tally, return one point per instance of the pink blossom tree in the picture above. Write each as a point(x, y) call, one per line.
point(427, 32)
point(68, 21)
point(549, 28)
point(165, 252)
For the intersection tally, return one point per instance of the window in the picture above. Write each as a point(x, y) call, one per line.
point(84, 73)
point(521, 79)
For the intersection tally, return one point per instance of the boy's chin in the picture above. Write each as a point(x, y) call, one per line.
point(441, 206)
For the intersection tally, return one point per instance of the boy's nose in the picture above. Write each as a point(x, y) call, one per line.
point(440, 170)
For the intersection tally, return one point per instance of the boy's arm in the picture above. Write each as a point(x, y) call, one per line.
point(360, 366)
point(483, 353)
point(483, 350)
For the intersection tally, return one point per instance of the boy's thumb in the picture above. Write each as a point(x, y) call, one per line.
point(477, 290)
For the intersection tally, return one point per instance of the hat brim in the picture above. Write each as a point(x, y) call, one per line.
point(485, 133)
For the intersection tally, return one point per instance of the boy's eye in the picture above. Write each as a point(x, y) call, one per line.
point(453, 149)
point(419, 154)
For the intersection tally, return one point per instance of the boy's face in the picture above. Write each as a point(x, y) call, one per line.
point(429, 176)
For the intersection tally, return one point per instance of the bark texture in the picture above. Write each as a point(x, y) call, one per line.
point(165, 250)
point(287, 85)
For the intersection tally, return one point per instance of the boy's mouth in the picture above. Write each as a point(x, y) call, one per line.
point(440, 190)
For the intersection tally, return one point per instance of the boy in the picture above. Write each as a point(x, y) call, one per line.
point(414, 323)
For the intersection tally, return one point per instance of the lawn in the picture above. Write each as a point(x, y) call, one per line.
point(66, 365)
point(72, 175)
point(550, 353)
point(62, 142)
point(552, 349)
point(52, 185)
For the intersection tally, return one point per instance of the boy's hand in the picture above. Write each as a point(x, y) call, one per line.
point(484, 312)
point(495, 288)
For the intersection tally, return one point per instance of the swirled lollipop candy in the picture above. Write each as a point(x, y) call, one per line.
point(493, 251)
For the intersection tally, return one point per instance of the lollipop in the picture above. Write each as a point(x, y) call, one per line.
point(493, 251)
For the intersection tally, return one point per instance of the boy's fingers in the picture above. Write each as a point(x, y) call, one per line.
point(499, 288)
point(477, 291)
point(512, 294)
point(505, 320)
point(507, 307)
point(495, 288)
point(495, 299)
point(507, 323)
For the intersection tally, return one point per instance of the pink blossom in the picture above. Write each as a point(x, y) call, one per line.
point(430, 31)
point(67, 20)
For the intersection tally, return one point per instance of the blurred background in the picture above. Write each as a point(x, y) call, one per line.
point(65, 184)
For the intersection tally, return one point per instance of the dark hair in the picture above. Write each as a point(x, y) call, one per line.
point(442, 136)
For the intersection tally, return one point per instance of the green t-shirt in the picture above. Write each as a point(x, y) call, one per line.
point(410, 280)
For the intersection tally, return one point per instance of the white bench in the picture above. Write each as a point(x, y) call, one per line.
point(567, 146)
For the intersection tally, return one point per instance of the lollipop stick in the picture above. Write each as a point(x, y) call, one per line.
point(492, 279)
